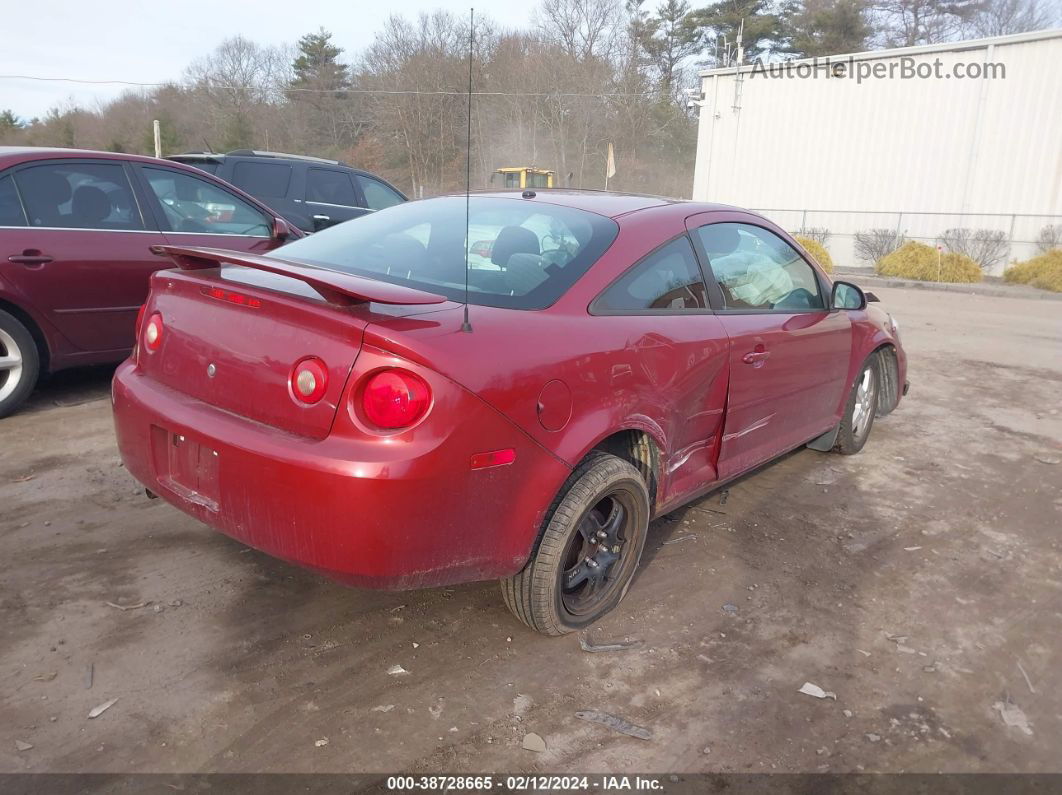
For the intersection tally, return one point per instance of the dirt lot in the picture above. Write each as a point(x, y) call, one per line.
point(943, 534)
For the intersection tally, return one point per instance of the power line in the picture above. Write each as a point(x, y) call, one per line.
point(136, 84)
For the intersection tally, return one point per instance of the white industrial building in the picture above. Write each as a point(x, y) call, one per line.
point(861, 144)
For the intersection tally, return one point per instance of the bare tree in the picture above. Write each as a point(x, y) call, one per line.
point(1000, 17)
point(584, 28)
point(872, 245)
point(986, 247)
point(905, 23)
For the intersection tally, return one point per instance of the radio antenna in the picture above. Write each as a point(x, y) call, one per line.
point(466, 326)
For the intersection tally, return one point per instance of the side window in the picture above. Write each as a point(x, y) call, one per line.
point(668, 279)
point(79, 196)
point(756, 269)
point(377, 195)
point(330, 187)
point(192, 204)
point(262, 180)
point(11, 213)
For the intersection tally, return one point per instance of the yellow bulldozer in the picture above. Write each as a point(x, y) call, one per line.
point(520, 177)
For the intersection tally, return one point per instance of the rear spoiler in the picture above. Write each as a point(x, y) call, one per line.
point(343, 289)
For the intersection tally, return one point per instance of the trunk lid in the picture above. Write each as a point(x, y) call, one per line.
point(232, 337)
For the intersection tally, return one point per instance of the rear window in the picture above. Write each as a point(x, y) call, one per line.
point(269, 180)
point(521, 254)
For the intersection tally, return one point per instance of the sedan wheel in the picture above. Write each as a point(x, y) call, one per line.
point(18, 363)
point(860, 410)
point(589, 551)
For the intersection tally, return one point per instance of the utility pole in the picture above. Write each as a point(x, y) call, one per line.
point(158, 138)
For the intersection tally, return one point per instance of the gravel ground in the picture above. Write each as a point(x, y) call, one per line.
point(920, 582)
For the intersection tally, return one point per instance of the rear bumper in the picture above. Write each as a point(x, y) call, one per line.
point(406, 515)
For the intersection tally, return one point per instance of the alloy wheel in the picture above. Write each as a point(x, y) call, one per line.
point(10, 364)
point(865, 402)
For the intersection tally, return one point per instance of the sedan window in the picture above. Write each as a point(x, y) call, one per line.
point(757, 270)
point(191, 204)
point(667, 279)
point(79, 196)
point(11, 213)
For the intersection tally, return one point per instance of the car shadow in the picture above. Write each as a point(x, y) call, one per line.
point(70, 388)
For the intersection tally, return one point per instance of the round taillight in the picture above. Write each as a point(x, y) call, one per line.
point(153, 332)
point(309, 380)
point(395, 398)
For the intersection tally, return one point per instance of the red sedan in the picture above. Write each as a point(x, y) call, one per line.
point(328, 404)
point(76, 231)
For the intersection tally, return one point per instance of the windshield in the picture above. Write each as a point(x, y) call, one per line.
point(521, 254)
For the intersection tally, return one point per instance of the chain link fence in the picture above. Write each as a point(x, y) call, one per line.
point(856, 238)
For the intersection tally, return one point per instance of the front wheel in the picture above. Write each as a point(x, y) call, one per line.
point(19, 363)
point(589, 551)
point(859, 411)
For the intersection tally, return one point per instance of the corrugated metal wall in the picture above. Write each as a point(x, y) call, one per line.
point(921, 154)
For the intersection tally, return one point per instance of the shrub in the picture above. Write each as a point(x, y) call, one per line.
point(1043, 271)
point(817, 251)
point(986, 247)
point(872, 245)
point(1050, 237)
point(916, 260)
point(816, 233)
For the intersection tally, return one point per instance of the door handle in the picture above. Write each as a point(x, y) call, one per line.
point(25, 258)
point(755, 357)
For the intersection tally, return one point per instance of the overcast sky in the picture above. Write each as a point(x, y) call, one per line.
point(153, 42)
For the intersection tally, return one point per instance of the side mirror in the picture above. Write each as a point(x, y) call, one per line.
point(281, 230)
point(847, 296)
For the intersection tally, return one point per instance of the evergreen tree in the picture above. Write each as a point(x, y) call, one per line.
point(826, 27)
point(317, 66)
point(762, 32)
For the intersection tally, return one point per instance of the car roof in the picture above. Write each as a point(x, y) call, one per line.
point(256, 155)
point(21, 153)
point(607, 203)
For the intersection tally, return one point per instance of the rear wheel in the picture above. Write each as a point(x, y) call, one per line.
point(19, 363)
point(860, 410)
point(589, 551)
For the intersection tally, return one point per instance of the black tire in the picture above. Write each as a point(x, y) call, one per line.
point(860, 410)
point(605, 494)
point(16, 382)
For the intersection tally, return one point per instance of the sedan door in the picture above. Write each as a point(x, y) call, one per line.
point(789, 353)
point(82, 260)
point(195, 210)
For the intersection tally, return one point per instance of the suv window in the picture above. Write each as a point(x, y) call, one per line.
point(330, 187)
point(667, 279)
point(78, 196)
point(191, 204)
point(756, 269)
point(377, 195)
point(11, 213)
point(266, 180)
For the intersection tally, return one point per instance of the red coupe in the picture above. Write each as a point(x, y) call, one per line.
point(328, 404)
